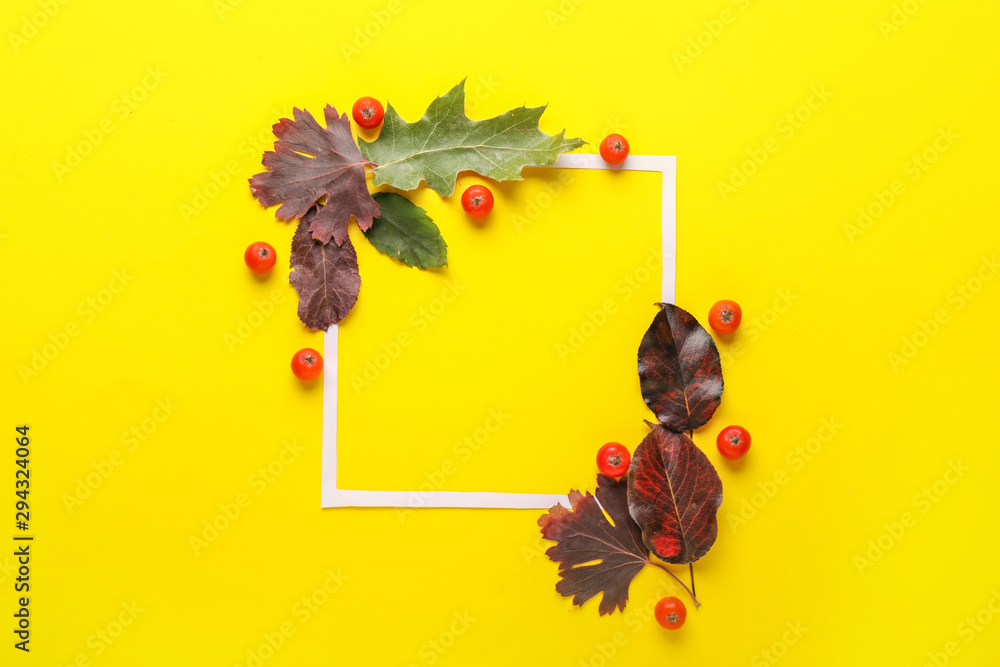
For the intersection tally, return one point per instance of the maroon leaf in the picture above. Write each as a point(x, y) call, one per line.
point(680, 373)
point(674, 493)
point(309, 162)
point(325, 275)
point(584, 535)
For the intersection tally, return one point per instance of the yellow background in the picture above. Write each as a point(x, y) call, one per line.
point(485, 375)
point(824, 310)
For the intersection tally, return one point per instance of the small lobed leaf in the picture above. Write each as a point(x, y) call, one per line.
point(445, 141)
point(674, 494)
point(680, 373)
point(405, 232)
point(584, 535)
point(310, 162)
point(325, 275)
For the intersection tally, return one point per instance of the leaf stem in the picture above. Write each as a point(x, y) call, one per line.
point(677, 579)
point(691, 565)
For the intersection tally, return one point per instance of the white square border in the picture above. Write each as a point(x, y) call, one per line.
point(332, 496)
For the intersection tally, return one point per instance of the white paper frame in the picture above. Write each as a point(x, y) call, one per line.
point(333, 496)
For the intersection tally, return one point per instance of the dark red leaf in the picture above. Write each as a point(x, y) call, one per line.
point(325, 276)
point(680, 373)
point(674, 493)
point(308, 162)
point(584, 535)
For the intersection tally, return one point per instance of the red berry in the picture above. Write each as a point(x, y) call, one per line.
point(613, 459)
point(733, 442)
point(307, 364)
point(260, 257)
point(614, 149)
point(368, 112)
point(477, 201)
point(725, 316)
point(670, 613)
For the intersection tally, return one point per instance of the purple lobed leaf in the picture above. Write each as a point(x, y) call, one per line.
point(584, 534)
point(310, 162)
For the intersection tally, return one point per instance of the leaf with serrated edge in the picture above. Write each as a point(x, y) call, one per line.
point(680, 373)
point(445, 141)
point(674, 493)
point(405, 232)
point(584, 535)
point(309, 162)
point(325, 275)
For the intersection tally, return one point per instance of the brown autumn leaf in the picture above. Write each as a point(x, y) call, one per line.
point(674, 493)
point(324, 274)
point(310, 162)
point(584, 535)
point(680, 373)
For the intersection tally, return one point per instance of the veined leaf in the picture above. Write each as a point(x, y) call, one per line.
point(309, 162)
point(445, 141)
point(680, 373)
point(674, 493)
point(405, 232)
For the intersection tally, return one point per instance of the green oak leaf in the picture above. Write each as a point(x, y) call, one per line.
point(405, 232)
point(445, 141)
